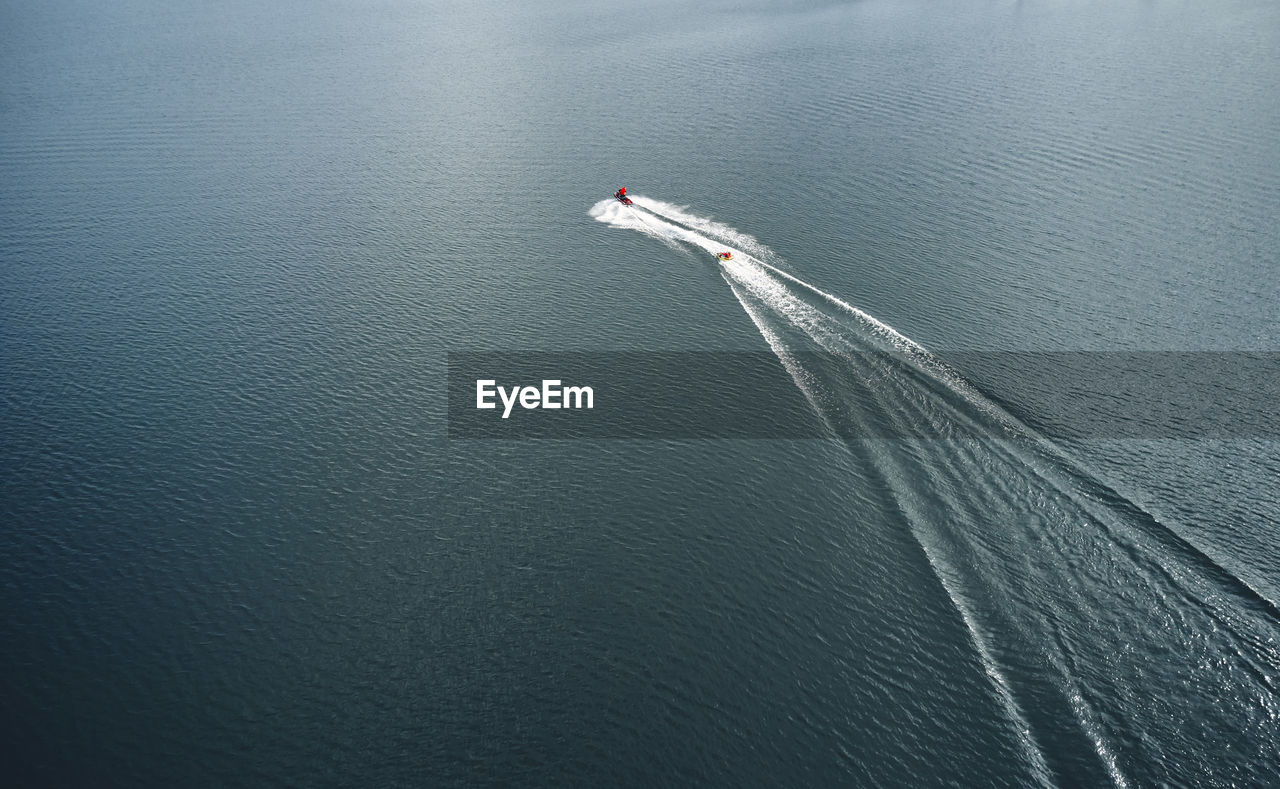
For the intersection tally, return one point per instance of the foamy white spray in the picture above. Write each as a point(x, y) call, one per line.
point(971, 505)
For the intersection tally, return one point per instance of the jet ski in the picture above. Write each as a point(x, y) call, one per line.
point(621, 194)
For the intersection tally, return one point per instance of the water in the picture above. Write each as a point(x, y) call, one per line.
point(237, 243)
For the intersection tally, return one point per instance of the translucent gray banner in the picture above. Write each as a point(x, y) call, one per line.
point(946, 395)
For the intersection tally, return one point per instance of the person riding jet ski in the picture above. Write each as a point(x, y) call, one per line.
point(621, 194)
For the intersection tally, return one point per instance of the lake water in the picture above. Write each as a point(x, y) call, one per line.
point(239, 240)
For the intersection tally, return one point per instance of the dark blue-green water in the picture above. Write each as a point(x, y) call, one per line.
point(238, 240)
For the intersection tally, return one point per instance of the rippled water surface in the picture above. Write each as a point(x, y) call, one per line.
point(238, 240)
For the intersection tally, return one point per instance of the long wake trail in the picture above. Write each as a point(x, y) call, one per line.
point(1118, 651)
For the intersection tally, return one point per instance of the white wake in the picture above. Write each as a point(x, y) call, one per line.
point(1067, 588)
